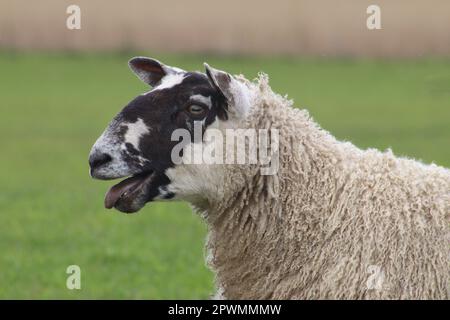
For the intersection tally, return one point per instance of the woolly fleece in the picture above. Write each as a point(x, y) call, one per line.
point(335, 222)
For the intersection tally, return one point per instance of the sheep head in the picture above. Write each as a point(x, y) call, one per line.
point(142, 142)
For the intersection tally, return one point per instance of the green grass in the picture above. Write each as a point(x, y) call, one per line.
point(54, 106)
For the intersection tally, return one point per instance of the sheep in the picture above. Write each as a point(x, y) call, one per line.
point(346, 223)
point(332, 222)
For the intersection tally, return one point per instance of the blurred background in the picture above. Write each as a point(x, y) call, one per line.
point(386, 88)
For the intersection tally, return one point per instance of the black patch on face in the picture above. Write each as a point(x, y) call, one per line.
point(160, 181)
point(165, 110)
point(131, 149)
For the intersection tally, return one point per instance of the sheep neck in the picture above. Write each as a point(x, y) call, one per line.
point(258, 236)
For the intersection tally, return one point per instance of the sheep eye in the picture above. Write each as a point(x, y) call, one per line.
point(195, 110)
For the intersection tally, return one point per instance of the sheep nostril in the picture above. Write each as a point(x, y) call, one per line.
point(99, 159)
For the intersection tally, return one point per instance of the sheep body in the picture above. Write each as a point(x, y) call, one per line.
point(334, 222)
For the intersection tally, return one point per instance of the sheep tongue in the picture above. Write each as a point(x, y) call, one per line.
point(121, 188)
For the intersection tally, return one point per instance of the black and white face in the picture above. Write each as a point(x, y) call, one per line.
point(137, 143)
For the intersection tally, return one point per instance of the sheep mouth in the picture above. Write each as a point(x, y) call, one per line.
point(132, 193)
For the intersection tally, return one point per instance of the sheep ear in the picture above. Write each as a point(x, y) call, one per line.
point(238, 96)
point(221, 80)
point(151, 71)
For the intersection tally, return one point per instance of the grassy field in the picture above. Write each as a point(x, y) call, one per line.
point(54, 106)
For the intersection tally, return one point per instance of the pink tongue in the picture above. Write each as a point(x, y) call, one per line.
point(119, 189)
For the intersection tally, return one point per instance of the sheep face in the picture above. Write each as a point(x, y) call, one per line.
point(139, 143)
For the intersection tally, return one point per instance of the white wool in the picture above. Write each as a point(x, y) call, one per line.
point(334, 222)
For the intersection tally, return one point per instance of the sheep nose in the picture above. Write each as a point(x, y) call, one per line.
point(98, 159)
